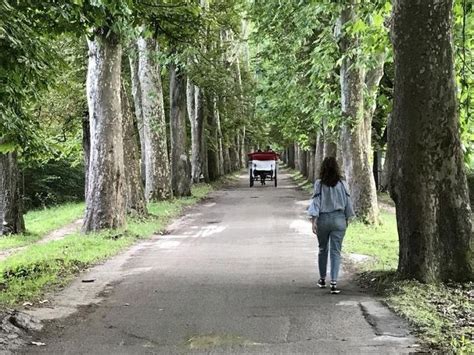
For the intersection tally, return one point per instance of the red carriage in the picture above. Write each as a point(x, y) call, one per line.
point(263, 166)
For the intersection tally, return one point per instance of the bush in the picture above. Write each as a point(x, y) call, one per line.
point(53, 183)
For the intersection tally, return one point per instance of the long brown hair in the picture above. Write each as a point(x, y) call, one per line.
point(330, 172)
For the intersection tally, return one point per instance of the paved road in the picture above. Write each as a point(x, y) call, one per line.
point(236, 275)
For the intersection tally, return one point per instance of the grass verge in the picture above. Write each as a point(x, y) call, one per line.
point(28, 274)
point(40, 222)
point(441, 314)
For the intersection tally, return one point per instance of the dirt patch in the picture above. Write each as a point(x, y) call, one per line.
point(57, 234)
point(60, 233)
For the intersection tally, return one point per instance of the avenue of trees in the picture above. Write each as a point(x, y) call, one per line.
point(145, 98)
point(362, 80)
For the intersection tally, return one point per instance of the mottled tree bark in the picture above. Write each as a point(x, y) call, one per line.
point(11, 214)
point(135, 201)
point(243, 148)
point(428, 182)
point(220, 145)
point(157, 167)
point(357, 167)
point(137, 103)
point(202, 112)
point(330, 148)
point(86, 148)
point(302, 162)
point(180, 165)
point(297, 157)
point(193, 103)
point(212, 143)
point(291, 156)
point(319, 155)
point(234, 154)
point(105, 202)
point(311, 162)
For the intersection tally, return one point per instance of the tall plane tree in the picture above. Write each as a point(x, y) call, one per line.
point(105, 199)
point(157, 169)
point(180, 165)
point(22, 80)
point(356, 131)
point(428, 182)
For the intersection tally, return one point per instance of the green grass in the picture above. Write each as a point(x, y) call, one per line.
point(40, 222)
point(44, 221)
point(379, 242)
point(28, 274)
point(301, 181)
point(441, 315)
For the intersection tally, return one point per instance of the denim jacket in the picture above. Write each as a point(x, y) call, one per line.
point(328, 199)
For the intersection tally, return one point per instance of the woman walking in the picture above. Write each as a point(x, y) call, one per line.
point(330, 211)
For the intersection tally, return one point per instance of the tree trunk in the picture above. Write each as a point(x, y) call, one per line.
point(428, 182)
point(180, 165)
point(319, 155)
point(227, 161)
point(157, 167)
point(302, 162)
point(105, 203)
point(86, 147)
point(11, 214)
point(385, 178)
point(220, 145)
point(297, 157)
point(243, 149)
point(212, 143)
point(137, 103)
point(309, 164)
point(196, 139)
point(135, 201)
point(202, 114)
point(330, 148)
point(234, 154)
point(291, 156)
point(357, 167)
point(312, 163)
point(377, 168)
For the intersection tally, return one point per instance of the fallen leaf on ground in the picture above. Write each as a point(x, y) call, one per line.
point(27, 304)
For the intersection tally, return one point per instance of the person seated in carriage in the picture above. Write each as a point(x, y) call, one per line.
point(263, 166)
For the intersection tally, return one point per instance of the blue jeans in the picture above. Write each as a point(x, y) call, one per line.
point(331, 230)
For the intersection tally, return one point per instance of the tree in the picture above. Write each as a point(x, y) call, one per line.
point(134, 192)
point(356, 132)
point(180, 165)
point(11, 217)
point(157, 166)
point(428, 182)
point(21, 81)
point(105, 200)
